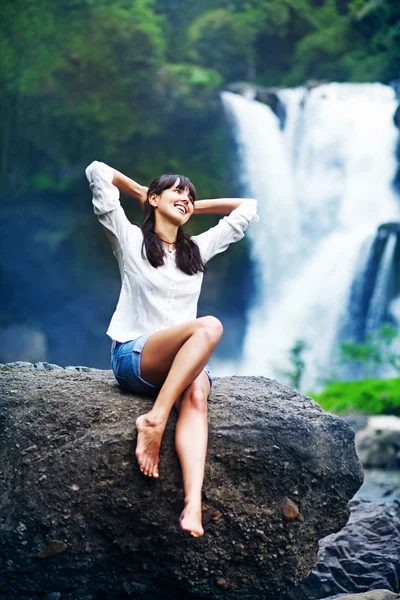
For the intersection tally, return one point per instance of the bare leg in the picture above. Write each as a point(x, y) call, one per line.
point(191, 445)
point(174, 357)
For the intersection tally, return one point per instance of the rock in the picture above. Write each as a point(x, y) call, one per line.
point(290, 510)
point(21, 365)
point(46, 366)
point(121, 529)
point(378, 443)
point(395, 84)
point(53, 547)
point(387, 229)
point(266, 95)
point(373, 595)
point(364, 556)
point(396, 117)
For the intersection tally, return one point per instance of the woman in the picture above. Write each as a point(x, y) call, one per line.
point(159, 346)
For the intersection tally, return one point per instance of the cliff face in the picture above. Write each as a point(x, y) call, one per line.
point(78, 518)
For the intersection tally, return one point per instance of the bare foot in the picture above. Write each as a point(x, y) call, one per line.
point(190, 519)
point(148, 445)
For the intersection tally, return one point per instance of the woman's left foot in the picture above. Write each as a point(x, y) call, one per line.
point(148, 444)
point(190, 519)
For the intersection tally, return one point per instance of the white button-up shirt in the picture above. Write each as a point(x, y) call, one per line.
point(151, 298)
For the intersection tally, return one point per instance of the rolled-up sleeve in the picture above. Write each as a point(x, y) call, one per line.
point(105, 194)
point(229, 229)
point(106, 204)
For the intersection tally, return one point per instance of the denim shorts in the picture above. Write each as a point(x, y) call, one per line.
point(125, 363)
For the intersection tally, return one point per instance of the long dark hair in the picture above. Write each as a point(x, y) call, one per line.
point(188, 258)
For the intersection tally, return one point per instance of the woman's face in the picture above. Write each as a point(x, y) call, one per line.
point(175, 205)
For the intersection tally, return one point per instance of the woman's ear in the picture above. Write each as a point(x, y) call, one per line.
point(153, 200)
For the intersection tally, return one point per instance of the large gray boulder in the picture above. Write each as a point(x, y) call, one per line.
point(79, 521)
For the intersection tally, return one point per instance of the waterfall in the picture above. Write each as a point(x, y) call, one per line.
point(324, 185)
point(266, 173)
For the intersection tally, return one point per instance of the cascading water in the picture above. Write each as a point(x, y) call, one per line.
point(324, 185)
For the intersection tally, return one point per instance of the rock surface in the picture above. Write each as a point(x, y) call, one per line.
point(378, 443)
point(78, 519)
point(374, 595)
point(364, 556)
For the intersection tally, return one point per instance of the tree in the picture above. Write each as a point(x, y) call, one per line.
point(297, 362)
point(220, 40)
point(75, 75)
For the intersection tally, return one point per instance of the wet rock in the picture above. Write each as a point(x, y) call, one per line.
point(78, 428)
point(20, 364)
point(396, 117)
point(364, 556)
point(378, 443)
point(46, 366)
point(374, 595)
point(266, 95)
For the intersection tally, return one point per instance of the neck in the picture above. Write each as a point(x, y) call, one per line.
point(166, 231)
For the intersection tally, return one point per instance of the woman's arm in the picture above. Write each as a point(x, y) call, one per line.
point(129, 186)
point(218, 206)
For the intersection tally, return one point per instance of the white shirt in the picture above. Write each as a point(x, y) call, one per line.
point(151, 298)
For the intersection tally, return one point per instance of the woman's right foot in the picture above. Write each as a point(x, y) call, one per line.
point(190, 519)
point(148, 444)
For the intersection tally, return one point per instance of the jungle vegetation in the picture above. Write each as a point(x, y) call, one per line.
point(134, 80)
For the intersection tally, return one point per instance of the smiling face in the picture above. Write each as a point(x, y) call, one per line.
point(175, 204)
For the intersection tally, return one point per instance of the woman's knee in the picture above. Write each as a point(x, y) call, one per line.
point(212, 328)
point(195, 399)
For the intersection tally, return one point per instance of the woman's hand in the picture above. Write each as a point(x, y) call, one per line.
point(142, 196)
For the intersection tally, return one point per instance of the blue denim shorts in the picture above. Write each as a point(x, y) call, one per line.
point(125, 363)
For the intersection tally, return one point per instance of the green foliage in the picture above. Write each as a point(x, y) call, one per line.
point(190, 84)
point(297, 362)
point(74, 80)
point(217, 40)
point(111, 77)
point(370, 396)
point(376, 351)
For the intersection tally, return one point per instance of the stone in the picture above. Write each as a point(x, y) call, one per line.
point(20, 364)
point(290, 510)
point(52, 548)
point(265, 95)
point(373, 595)
point(78, 427)
point(46, 366)
point(364, 556)
point(378, 443)
point(396, 117)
